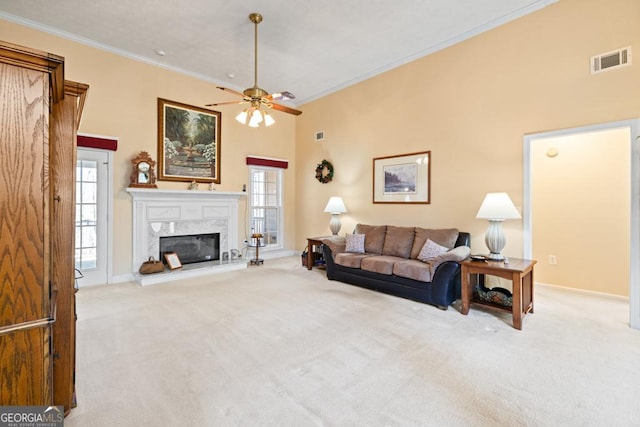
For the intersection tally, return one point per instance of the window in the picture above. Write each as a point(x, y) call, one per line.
point(265, 198)
point(86, 214)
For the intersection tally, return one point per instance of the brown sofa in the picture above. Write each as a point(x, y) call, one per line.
point(393, 261)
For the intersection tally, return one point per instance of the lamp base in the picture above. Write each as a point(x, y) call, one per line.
point(334, 224)
point(495, 240)
point(495, 257)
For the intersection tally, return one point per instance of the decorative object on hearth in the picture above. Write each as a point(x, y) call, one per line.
point(496, 208)
point(188, 143)
point(259, 100)
point(193, 185)
point(151, 266)
point(173, 261)
point(335, 206)
point(324, 172)
point(402, 179)
point(143, 173)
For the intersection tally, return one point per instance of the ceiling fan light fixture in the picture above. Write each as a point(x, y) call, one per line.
point(268, 120)
point(242, 117)
point(256, 118)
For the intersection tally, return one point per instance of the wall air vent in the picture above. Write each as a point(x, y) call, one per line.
point(611, 60)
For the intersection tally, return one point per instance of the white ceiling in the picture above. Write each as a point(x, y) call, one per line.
point(308, 47)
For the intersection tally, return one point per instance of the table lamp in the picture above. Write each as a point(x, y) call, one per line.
point(335, 207)
point(496, 207)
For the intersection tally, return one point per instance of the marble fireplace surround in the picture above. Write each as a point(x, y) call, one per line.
point(159, 213)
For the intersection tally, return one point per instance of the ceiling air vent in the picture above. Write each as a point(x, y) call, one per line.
point(319, 135)
point(611, 60)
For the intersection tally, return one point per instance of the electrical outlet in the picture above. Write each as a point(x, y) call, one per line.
point(552, 260)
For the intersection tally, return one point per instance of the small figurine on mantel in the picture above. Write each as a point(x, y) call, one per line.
point(212, 186)
point(193, 185)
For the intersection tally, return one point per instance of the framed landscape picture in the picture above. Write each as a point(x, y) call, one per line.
point(405, 178)
point(188, 143)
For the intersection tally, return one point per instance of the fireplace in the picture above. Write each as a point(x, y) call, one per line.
point(159, 213)
point(192, 248)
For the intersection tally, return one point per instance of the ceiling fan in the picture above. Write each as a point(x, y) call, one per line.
point(259, 100)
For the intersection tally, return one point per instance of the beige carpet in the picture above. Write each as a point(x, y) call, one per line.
point(278, 345)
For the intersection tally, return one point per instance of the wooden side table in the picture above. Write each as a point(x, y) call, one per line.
point(311, 243)
point(519, 271)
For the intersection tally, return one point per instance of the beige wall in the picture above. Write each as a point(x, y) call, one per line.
point(581, 210)
point(470, 105)
point(122, 102)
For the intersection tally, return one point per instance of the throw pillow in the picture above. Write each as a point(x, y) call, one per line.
point(355, 243)
point(431, 250)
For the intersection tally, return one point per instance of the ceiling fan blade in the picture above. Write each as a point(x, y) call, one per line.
point(286, 109)
point(225, 103)
point(281, 96)
point(226, 89)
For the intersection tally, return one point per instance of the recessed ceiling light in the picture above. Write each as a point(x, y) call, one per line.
point(160, 52)
point(231, 75)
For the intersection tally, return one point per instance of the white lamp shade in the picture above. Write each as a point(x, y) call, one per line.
point(497, 206)
point(242, 117)
point(268, 120)
point(335, 205)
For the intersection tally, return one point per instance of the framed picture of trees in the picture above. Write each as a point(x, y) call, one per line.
point(188, 143)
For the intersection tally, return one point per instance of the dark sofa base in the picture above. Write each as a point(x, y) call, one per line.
point(443, 290)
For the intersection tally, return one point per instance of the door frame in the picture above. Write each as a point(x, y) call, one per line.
point(634, 253)
point(109, 207)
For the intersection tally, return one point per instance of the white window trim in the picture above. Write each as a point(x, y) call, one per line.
point(280, 198)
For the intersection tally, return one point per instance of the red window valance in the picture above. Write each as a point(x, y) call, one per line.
point(266, 161)
point(101, 142)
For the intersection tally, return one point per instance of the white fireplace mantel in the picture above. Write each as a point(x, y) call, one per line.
point(158, 212)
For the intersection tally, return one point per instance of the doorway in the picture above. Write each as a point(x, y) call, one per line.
point(542, 154)
point(92, 247)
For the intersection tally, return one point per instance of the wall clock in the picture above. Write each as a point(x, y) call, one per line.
point(143, 173)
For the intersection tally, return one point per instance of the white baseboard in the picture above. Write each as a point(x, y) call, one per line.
point(584, 291)
point(121, 278)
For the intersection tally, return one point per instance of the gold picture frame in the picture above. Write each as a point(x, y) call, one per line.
point(188, 143)
point(403, 179)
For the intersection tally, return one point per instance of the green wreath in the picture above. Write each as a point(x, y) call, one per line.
point(320, 172)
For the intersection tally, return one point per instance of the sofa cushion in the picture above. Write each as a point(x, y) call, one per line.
point(373, 237)
point(457, 254)
point(431, 250)
point(347, 259)
point(444, 237)
point(413, 269)
point(398, 241)
point(382, 264)
point(355, 243)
